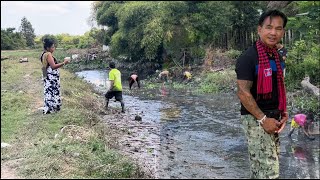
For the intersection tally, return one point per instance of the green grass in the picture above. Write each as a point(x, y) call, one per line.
point(32, 134)
point(17, 54)
point(208, 82)
point(13, 112)
point(180, 86)
point(217, 82)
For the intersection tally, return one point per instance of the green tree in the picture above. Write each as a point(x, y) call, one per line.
point(98, 35)
point(27, 32)
point(11, 40)
point(52, 37)
point(147, 30)
point(303, 57)
point(86, 41)
point(244, 18)
point(306, 21)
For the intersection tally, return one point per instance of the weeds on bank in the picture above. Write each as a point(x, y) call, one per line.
point(46, 151)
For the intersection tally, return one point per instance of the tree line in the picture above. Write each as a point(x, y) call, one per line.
point(12, 39)
point(161, 30)
point(24, 37)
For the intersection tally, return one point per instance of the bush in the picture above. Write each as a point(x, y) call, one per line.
point(233, 54)
point(214, 82)
point(302, 61)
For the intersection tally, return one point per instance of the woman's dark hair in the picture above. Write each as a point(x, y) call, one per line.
point(47, 43)
point(273, 13)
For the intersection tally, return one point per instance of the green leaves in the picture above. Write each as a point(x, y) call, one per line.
point(153, 36)
point(11, 40)
point(306, 21)
point(143, 29)
point(27, 32)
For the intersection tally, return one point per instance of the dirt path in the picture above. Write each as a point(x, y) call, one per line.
point(7, 172)
point(139, 140)
point(32, 86)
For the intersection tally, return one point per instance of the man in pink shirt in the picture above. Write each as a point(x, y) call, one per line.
point(134, 78)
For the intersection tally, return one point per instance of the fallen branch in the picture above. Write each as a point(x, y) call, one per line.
point(307, 86)
point(216, 70)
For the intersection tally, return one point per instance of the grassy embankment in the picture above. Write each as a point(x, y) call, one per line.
point(82, 150)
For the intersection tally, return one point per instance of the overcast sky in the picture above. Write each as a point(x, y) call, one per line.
point(48, 17)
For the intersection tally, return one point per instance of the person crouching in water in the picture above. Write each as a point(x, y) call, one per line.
point(187, 76)
point(164, 75)
point(115, 87)
point(303, 121)
point(134, 78)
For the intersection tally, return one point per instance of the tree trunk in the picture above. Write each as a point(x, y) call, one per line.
point(278, 4)
point(247, 38)
point(164, 54)
point(226, 40)
point(208, 58)
point(291, 37)
point(308, 87)
point(251, 37)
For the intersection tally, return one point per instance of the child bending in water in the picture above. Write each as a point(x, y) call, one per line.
point(304, 121)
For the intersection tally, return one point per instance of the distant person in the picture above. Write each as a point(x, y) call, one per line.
point(51, 78)
point(187, 76)
point(134, 78)
point(115, 86)
point(283, 53)
point(304, 121)
point(164, 75)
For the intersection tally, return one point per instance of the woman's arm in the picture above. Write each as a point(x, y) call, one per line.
point(54, 65)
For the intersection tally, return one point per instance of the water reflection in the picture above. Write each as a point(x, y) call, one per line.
point(301, 158)
point(97, 77)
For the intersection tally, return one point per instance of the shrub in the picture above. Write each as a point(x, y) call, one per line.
point(301, 62)
point(233, 54)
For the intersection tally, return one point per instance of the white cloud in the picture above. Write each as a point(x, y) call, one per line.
point(48, 17)
point(42, 8)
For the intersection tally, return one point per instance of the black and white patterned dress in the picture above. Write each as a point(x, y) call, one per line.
point(52, 97)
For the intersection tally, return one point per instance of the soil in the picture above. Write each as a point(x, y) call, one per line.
point(8, 170)
point(137, 139)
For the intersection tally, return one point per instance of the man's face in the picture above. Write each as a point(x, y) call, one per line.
point(271, 31)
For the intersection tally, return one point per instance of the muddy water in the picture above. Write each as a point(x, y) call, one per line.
point(201, 137)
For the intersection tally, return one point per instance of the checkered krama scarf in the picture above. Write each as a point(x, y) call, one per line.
point(264, 84)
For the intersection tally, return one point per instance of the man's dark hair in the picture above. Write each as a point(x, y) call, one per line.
point(112, 65)
point(47, 43)
point(273, 13)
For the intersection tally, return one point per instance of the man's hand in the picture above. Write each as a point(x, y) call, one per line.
point(284, 119)
point(271, 125)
